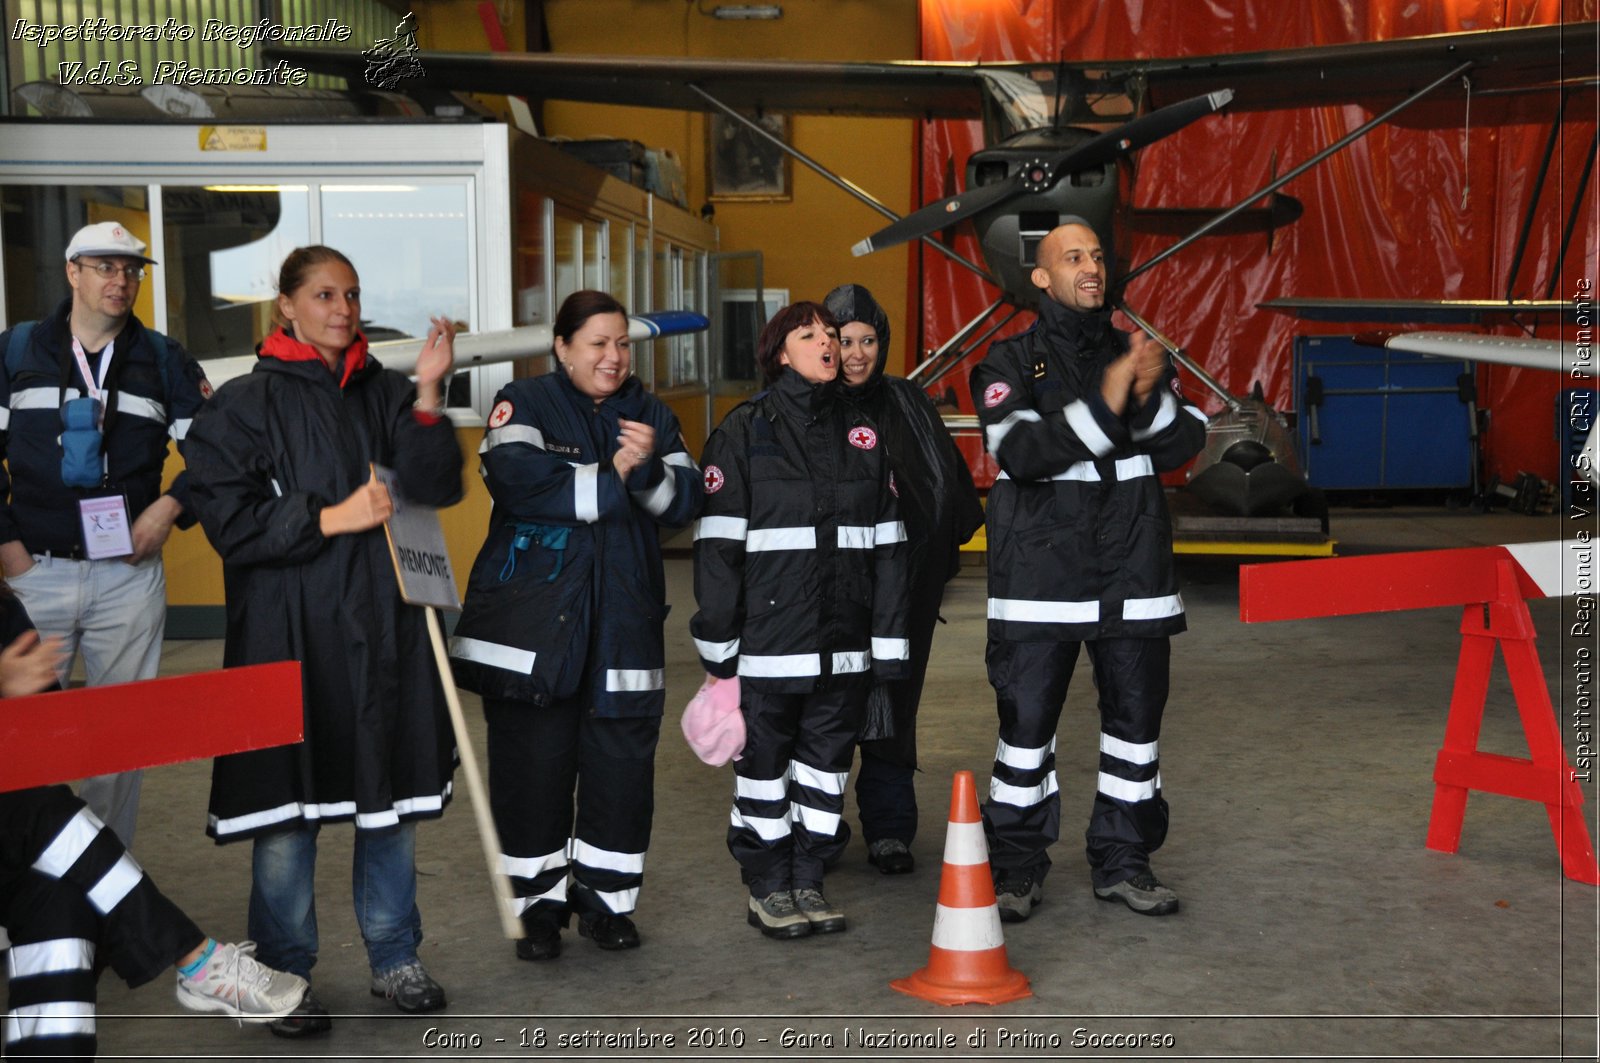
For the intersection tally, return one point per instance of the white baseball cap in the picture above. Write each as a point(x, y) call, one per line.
point(107, 238)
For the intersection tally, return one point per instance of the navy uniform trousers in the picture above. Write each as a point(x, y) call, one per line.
point(788, 799)
point(1022, 817)
point(538, 754)
point(81, 905)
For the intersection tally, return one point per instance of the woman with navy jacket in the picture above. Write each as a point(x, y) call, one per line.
point(562, 630)
point(799, 573)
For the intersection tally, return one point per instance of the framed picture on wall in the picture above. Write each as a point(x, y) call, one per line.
point(744, 166)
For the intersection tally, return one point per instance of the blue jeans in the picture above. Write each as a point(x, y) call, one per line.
point(114, 614)
point(283, 905)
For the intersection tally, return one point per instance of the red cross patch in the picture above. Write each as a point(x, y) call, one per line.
point(205, 388)
point(995, 394)
point(863, 437)
point(714, 479)
point(500, 414)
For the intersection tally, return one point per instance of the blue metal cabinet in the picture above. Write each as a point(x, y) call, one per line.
point(1387, 419)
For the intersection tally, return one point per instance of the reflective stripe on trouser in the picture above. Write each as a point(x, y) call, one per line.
point(786, 822)
point(60, 939)
point(538, 756)
point(1022, 817)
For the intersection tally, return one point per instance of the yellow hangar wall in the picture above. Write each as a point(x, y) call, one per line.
point(805, 241)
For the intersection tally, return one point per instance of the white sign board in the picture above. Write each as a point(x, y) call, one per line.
point(416, 545)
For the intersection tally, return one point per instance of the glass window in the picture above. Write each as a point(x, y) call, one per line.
point(688, 350)
point(411, 245)
point(668, 295)
point(37, 222)
point(621, 261)
point(594, 254)
point(223, 247)
point(568, 253)
point(527, 261)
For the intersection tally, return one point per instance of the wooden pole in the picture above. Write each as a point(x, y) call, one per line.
point(505, 900)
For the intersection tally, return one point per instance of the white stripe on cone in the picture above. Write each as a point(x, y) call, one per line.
point(967, 929)
point(964, 844)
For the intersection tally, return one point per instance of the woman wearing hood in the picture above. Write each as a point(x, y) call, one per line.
point(280, 462)
point(940, 508)
point(799, 575)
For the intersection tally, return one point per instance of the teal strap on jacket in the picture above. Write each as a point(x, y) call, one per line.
point(546, 535)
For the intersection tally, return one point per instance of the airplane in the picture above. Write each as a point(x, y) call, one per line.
point(1059, 141)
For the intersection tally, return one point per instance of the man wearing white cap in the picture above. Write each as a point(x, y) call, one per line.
point(88, 398)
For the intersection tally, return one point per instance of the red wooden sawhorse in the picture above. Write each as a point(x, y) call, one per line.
point(1493, 583)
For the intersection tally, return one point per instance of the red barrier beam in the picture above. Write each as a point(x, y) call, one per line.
point(1345, 586)
point(72, 734)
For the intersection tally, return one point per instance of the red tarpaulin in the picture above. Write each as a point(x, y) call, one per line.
point(1404, 213)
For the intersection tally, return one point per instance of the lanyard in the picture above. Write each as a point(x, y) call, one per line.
point(95, 387)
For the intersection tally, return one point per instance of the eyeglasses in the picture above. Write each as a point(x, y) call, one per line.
point(107, 270)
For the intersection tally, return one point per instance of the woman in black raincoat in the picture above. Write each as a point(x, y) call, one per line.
point(940, 508)
point(280, 461)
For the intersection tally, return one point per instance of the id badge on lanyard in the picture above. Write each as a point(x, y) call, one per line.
point(103, 515)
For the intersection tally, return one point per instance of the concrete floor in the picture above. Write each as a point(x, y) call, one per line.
point(1297, 759)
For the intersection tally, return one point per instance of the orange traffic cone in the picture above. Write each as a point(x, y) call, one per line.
point(967, 962)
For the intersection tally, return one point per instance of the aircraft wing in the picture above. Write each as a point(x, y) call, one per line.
point(1536, 57)
point(1558, 356)
point(1423, 311)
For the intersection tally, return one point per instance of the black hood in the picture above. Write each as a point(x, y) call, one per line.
point(852, 302)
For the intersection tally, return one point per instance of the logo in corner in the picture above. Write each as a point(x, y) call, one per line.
point(995, 394)
point(500, 414)
point(863, 437)
point(714, 479)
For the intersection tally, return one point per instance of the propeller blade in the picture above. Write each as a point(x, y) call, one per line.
point(936, 216)
point(1040, 174)
point(1141, 132)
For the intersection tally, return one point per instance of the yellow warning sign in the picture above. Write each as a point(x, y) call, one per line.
point(233, 138)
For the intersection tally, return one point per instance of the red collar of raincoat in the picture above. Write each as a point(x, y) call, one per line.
point(286, 348)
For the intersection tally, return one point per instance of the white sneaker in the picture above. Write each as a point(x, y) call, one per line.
point(236, 984)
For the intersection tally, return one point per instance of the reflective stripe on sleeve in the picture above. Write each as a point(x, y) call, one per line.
point(1163, 418)
point(1081, 420)
point(995, 434)
point(736, 528)
point(586, 493)
point(717, 651)
point(511, 433)
point(1135, 467)
point(139, 406)
point(891, 649)
point(658, 499)
point(179, 429)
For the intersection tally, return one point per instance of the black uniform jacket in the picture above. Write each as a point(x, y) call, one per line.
point(568, 585)
point(151, 397)
point(266, 454)
point(799, 559)
point(1080, 541)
